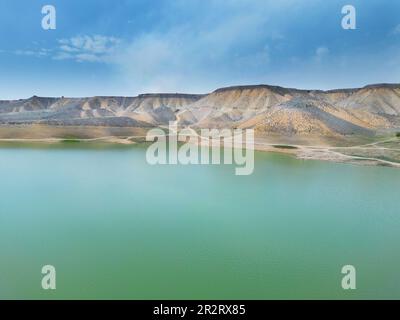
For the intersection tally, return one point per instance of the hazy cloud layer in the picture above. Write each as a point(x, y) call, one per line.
point(97, 48)
point(130, 47)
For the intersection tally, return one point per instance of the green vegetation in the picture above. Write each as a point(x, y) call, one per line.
point(282, 146)
point(70, 141)
point(398, 134)
point(69, 138)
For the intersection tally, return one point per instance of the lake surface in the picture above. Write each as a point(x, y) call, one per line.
point(115, 227)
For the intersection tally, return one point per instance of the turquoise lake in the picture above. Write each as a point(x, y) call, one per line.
point(115, 227)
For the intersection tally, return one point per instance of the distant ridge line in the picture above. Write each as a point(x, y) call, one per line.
point(284, 90)
point(171, 95)
point(278, 89)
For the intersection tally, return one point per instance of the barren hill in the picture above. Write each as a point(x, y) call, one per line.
point(268, 109)
point(292, 111)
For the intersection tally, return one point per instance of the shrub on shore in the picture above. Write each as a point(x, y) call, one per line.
point(398, 134)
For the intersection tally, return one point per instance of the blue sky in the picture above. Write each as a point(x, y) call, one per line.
point(126, 47)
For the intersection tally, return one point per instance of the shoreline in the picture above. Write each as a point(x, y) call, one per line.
point(301, 152)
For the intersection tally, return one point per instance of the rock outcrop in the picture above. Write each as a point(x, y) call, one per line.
point(288, 111)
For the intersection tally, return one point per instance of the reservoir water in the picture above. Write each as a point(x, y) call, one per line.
point(115, 227)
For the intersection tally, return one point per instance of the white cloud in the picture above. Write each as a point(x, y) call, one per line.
point(97, 48)
point(201, 55)
point(321, 53)
point(396, 30)
point(197, 54)
point(67, 48)
point(34, 52)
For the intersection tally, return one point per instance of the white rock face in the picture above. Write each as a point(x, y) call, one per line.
point(268, 109)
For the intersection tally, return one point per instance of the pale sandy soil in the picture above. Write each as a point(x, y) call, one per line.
point(46, 133)
point(358, 150)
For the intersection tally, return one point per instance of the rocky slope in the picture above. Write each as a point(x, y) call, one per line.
point(146, 110)
point(267, 109)
point(292, 111)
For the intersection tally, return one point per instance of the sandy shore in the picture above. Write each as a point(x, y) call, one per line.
point(322, 153)
point(308, 148)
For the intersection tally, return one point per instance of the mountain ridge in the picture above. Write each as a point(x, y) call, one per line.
point(250, 86)
point(266, 108)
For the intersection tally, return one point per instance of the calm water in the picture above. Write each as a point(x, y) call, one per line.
point(115, 227)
